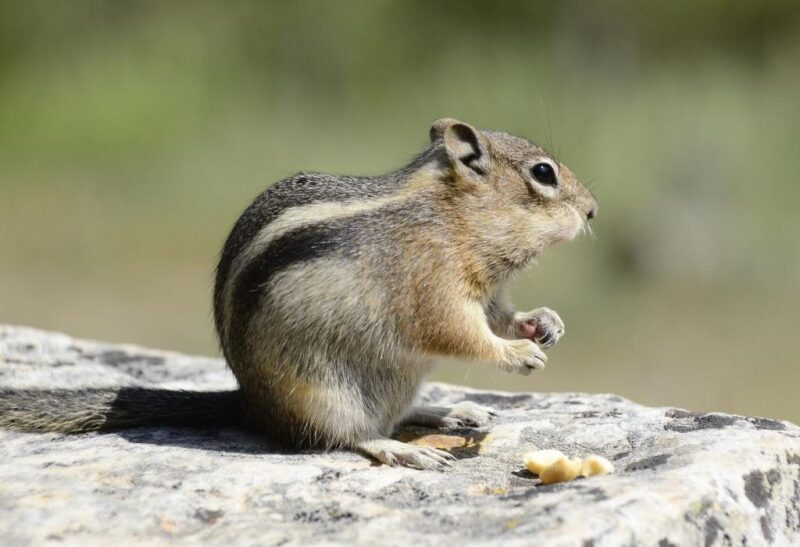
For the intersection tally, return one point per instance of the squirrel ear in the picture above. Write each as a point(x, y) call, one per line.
point(438, 127)
point(464, 144)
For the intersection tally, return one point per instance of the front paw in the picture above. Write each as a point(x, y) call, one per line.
point(541, 325)
point(523, 357)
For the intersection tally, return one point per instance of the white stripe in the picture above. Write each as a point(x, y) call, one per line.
point(296, 217)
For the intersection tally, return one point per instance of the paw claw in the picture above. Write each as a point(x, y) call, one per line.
point(541, 325)
point(523, 357)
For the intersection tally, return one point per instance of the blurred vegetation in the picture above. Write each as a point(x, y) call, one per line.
point(133, 133)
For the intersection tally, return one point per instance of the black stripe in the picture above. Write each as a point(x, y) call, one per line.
point(305, 189)
point(301, 189)
point(264, 209)
point(301, 245)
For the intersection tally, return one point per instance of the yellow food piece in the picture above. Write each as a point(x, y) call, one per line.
point(596, 465)
point(562, 470)
point(553, 466)
point(536, 461)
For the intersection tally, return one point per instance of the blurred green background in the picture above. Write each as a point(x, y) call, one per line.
point(132, 134)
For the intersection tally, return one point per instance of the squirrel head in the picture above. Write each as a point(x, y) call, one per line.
point(514, 197)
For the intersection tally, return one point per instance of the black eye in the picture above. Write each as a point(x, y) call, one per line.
point(543, 172)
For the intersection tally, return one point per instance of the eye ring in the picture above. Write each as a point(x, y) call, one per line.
point(544, 173)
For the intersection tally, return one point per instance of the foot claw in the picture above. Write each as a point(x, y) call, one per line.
point(391, 452)
point(469, 414)
point(464, 414)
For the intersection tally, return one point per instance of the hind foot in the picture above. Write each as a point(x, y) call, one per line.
point(391, 452)
point(464, 414)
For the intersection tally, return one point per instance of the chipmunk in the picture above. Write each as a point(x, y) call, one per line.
point(334, 296)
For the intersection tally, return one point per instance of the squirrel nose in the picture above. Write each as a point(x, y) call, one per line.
point(592, 212)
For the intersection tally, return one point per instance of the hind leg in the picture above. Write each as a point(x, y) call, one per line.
point(465, 414)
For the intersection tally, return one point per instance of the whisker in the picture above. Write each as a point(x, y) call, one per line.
point(560, 146)
point(591, 232)
point(592, 183)
point(548, 129)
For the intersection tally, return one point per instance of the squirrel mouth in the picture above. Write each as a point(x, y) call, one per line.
point(581, 225)
point(585, 227)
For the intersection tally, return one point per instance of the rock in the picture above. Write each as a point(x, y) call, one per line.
point(682, 478)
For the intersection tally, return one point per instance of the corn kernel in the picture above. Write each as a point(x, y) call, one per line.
point(562, 470)
point(596, 465)
point(536, 461)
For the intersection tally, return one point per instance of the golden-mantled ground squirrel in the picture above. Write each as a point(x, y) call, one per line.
point(334, 295)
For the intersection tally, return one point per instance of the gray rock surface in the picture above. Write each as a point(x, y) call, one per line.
point(682, 478)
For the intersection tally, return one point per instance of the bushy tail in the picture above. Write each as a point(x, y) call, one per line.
point(81, 410)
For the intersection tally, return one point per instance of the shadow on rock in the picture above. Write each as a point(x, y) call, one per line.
point(209, 439)
point(190, 419)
